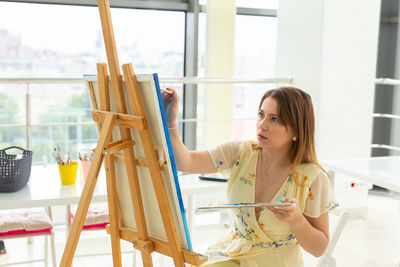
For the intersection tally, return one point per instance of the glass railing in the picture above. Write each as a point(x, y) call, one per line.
point(42, 113)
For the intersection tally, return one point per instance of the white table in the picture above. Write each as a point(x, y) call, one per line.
point(44, 189)
point(381, 171)
point(192, 186)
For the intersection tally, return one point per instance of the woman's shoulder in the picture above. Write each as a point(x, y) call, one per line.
point(250, 145)
point(247, 148)
point(310, 170)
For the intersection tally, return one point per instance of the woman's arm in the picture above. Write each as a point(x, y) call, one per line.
point(190, 161)
point(312, 233)
point(186, 160)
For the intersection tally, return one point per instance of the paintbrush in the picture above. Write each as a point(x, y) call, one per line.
point(167, 91)
point(245, 205)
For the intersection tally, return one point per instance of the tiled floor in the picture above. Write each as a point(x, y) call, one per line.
point(370, 242)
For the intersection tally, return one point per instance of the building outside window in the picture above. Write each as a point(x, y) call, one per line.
point(255, 57)
point(71, 45)
point(65, 41)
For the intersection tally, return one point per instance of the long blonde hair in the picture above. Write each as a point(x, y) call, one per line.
point(295, 109)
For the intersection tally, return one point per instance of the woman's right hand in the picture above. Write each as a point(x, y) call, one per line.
point(186, 160)
point(171, 108)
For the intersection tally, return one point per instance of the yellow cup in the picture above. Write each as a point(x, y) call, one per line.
point(68, 173)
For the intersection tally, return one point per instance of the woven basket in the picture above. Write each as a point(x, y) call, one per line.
point(14, 173)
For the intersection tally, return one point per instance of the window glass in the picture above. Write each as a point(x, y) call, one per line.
point(255, 57)
point(255, 49)
point(269, 4)
point(67, 40)
point(59, 103)
point(12, 103)
point(12, 112)
point(64, 41)
point(15, 136)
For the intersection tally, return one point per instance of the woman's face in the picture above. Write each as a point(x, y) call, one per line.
point(271, 133)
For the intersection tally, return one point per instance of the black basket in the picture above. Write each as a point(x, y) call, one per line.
point(14, 173)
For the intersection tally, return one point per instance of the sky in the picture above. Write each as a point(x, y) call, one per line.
point(74, 28)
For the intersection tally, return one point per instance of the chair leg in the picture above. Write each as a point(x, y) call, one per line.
point(134, 258)
point(67, 220)
point(53, 250)
point(329, 262)
point(46, 250)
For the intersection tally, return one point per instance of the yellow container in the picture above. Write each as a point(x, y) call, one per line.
point(68, 173)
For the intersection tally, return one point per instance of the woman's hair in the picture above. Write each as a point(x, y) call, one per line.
point(295, 109)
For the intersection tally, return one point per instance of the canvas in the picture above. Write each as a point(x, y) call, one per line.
point(151, 96)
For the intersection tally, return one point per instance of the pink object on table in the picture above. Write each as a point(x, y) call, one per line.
point(85, 168)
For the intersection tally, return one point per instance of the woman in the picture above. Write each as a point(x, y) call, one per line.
point(280, 166)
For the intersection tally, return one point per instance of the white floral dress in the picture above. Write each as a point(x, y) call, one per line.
point(266, 241)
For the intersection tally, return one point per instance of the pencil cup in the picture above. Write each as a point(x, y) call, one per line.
point(85, 168)
point(68, 173)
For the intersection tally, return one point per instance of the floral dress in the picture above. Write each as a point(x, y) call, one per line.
point(266, 241)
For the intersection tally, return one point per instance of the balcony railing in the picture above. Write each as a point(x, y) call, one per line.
point(28, 125)
point(28, 81)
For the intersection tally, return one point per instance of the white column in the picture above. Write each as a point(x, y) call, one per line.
point(330, 49)
point(219, 62)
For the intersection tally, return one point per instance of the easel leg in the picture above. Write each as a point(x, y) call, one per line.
point(113, 210)
point(87, 193)
point(110, 170)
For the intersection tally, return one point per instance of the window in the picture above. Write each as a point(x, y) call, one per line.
point(255, 57)
point(270, 4)
point(60, 41)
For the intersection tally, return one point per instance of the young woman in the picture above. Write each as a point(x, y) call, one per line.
point(280, 166)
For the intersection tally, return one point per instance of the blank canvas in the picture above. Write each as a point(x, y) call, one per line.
point(151, 95)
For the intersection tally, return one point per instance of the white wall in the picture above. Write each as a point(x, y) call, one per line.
point(330, 49)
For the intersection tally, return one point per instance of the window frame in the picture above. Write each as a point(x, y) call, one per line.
point(192, 8)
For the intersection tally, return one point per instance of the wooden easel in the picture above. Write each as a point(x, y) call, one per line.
point(106, 149)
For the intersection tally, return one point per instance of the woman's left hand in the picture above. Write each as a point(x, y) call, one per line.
point(290, 214)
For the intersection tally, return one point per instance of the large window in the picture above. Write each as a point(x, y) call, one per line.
point(60, 40)
point(270, 4)
point(255, 57)
point(49, 40)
